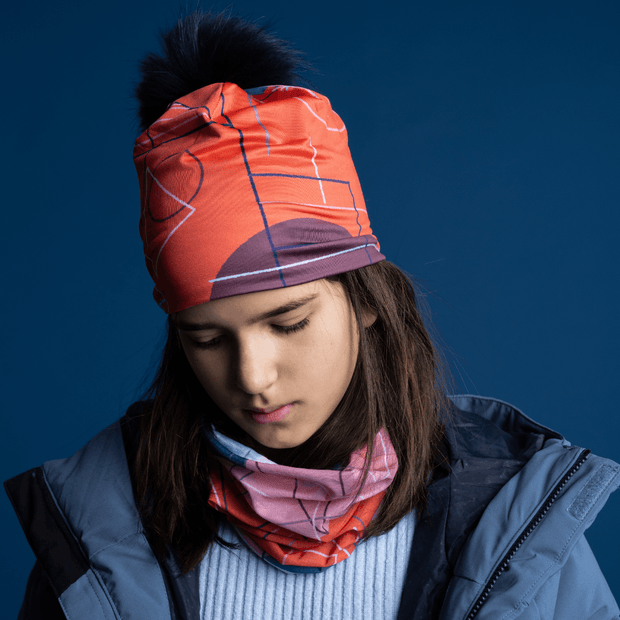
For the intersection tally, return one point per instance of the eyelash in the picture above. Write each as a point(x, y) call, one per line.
point(283, 329)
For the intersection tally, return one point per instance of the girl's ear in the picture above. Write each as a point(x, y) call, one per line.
point(368, 317)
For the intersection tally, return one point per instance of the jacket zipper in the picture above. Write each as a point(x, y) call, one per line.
point(503, 565)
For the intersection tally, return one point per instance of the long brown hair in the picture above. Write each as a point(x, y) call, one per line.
point(397, 385)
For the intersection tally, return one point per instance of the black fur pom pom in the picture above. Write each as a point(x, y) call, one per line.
point(204, 48)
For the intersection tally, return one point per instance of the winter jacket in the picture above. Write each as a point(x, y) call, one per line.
point(502, 536)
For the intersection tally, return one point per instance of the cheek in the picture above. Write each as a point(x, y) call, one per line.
point(334, 360)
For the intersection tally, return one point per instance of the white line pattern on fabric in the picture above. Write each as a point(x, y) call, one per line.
point(251, 100)
point(324, 555)
point(287, 88)
point(318, 176)
point(313, 522)
point(322, 120)
point(303, 262)
point(217, 497)
point(341, 549)
point(185, 204)
point(387, 467)
point(163, 133)
point(249, 486)
point(146, 239)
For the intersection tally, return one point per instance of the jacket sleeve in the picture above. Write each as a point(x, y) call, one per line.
point(578, 591)
point(40, 602)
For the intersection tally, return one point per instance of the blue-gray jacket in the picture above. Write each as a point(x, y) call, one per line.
point(502, 537)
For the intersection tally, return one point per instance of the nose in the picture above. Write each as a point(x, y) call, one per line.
point(256, 366)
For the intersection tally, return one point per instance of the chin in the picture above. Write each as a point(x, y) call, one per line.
point(276, 440)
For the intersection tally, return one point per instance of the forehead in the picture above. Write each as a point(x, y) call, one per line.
point(241, 309)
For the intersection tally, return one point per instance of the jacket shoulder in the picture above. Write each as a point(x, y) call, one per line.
point(528, 547)
point(80, 518)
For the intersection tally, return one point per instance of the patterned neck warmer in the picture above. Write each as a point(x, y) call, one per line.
point(299, 520)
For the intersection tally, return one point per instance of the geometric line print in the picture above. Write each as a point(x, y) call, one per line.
point(168, 130)
point(317, 171)
point(287, 88)
point(297, 176)
point(303, 262)
point(320, 180)
point(322, 120)
point(253, 185)
point(182, 202)
point(307, 204)
point(217, 497)
point(388, 473)
point(258, 121)
point(323, 518)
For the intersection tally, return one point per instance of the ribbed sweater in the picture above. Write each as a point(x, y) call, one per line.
point(236, 584)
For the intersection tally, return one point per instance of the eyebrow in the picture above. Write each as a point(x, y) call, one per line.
point(186, 326)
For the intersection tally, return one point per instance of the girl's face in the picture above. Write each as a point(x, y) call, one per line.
point(275, 362)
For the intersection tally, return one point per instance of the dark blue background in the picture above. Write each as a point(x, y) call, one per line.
point(486, 138)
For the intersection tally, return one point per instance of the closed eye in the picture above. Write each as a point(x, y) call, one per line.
point(281, 329)
point(289, 329)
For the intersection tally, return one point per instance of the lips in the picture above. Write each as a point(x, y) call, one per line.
point(263, 416)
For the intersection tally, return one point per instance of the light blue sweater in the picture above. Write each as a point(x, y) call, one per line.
point(238, 585)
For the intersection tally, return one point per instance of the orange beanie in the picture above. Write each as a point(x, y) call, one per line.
point(248, 190)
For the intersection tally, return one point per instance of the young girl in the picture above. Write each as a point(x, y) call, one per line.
point(296, 456)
